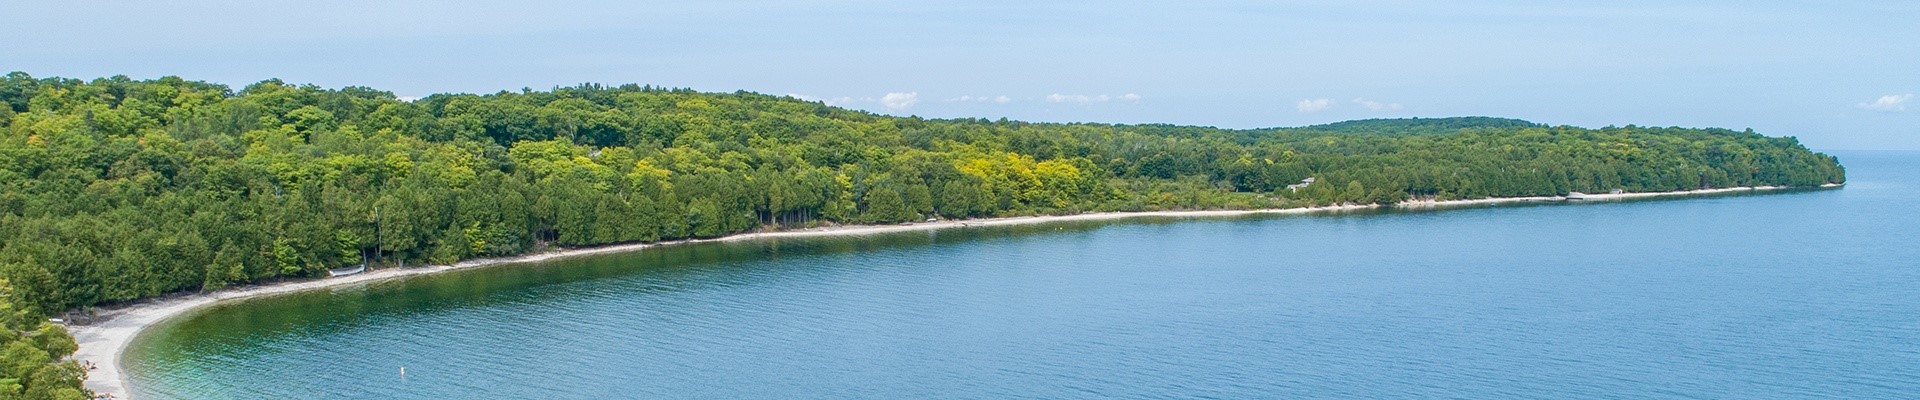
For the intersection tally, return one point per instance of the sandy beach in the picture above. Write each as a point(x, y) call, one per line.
point(104, 341)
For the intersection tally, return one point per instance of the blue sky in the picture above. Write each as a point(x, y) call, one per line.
point(1839, 75)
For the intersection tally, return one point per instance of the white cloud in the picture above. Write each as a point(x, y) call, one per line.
point(1002, 99)
point(1081, 98)
point(1890, 103)
point(1377, 106)
point(1314, 105)
point(408, 99)
point(900, 101)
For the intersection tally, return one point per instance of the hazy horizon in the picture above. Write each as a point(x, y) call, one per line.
point(1838, 76)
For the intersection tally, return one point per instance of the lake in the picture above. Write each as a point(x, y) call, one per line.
point(1803, 294)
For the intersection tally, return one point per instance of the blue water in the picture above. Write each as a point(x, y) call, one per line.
point(1808, 294)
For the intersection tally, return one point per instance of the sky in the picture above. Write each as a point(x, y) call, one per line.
point(1838, 75)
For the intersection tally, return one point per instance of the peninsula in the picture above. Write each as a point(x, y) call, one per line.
point(116, 190)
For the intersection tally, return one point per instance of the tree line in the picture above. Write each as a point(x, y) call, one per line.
point(117, 189)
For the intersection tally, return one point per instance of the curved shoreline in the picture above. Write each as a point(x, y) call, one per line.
point(108, 338)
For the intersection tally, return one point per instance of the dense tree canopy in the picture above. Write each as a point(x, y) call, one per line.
point(33, 356)
point(118, 189)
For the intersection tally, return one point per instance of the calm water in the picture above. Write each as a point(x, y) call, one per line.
point(1806, 294)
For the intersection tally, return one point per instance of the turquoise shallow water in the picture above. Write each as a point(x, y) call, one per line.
point(1810, 294)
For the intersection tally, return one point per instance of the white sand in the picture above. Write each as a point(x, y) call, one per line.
point(104, 342)
point(1590, 197)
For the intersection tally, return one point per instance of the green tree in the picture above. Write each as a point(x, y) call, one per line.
point(884, 204)
point(32, 355)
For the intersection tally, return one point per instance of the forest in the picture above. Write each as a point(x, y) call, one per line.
point(115, 189)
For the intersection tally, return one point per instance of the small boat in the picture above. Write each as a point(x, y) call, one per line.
point(1576, 196)
point(348, 271)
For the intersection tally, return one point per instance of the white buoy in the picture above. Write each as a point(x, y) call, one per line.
point(403, 372)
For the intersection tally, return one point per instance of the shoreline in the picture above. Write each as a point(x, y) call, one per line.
point(108, 338)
